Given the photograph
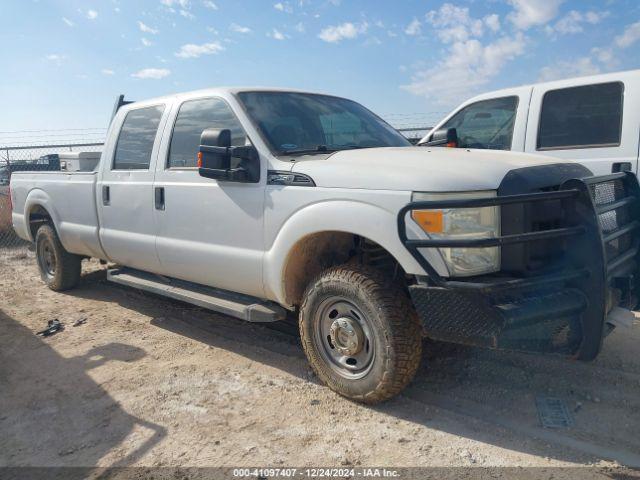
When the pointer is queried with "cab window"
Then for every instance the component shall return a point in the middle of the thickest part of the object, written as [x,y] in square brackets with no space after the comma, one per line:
[581,117]
[135,142]
[486,124]
[194,117]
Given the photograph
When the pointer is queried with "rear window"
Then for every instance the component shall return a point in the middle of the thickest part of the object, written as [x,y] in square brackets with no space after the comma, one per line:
[581,117]
[135,142]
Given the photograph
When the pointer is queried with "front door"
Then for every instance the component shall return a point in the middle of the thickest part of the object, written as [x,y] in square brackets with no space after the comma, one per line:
[125,191]
[209,231]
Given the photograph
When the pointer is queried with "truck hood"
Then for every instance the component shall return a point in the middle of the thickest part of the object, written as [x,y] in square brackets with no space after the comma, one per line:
[416,168]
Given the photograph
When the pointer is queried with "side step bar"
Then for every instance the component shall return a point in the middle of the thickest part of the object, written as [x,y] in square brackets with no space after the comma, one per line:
[235,305]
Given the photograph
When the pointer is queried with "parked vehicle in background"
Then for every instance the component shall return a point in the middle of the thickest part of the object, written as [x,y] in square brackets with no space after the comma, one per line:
[46,163]
[265,203]
[593,120]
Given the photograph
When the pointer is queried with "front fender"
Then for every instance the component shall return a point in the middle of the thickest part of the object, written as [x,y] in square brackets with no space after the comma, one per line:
[349,216]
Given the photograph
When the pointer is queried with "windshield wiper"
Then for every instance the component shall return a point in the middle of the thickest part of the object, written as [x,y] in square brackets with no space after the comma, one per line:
[322,149]
[302,151]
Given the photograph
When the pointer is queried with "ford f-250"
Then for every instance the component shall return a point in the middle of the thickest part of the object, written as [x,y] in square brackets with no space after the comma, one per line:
[260,203]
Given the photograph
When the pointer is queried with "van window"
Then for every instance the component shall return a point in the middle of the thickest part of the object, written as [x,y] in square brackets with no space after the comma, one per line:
[486,124]
[581,117]
[135,142]
[194,117]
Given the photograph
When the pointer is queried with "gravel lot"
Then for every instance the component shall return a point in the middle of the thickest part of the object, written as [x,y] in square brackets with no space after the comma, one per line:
[152,382]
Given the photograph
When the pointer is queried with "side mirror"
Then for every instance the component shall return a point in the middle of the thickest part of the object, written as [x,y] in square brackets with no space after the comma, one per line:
[215,154]
[444,137]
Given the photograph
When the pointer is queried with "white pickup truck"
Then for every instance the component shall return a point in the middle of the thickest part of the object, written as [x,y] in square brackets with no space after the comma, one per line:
[594,120]
[260,203]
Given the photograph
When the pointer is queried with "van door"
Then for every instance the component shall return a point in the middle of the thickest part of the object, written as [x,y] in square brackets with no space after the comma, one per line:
[595,124]
[125,190]
[209,232]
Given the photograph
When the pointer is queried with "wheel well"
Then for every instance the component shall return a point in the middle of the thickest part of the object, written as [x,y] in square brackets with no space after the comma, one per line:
[37,217]
[315,253]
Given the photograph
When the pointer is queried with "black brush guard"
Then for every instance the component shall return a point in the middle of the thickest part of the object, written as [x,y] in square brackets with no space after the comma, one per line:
[561,308]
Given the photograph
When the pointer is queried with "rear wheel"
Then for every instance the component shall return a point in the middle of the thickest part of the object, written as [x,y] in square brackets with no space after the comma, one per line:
[360,333]
[59,269]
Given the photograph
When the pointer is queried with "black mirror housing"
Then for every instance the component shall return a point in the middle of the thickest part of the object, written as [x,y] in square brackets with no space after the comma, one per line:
[215,154]
[444,137]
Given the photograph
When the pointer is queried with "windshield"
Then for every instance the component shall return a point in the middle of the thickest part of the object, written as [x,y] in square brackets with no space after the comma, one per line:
[306,123]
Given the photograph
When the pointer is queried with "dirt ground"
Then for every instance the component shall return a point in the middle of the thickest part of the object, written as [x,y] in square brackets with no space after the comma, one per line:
[152,382]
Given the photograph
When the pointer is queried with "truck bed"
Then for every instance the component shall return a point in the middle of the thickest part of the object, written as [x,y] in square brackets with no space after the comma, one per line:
[70,200]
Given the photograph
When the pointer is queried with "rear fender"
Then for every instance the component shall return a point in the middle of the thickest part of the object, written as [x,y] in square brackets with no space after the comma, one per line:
[40,198]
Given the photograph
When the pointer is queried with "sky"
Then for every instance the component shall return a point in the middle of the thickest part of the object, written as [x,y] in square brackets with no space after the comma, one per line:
[62,63]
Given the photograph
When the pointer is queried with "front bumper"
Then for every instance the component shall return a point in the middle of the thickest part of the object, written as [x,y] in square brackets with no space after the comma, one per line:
[561,308]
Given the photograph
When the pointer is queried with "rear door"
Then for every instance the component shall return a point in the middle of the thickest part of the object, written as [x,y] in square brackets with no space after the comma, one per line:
[594,123]
[125,190]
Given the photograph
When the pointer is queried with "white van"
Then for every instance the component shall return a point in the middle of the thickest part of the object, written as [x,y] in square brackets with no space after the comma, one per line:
[593,120]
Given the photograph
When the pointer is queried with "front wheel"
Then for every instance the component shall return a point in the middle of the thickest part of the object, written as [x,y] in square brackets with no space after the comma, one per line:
[360,333]
[59,269]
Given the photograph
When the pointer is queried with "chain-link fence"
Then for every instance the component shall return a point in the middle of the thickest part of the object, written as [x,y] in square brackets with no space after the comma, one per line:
[25,158]
[21,157]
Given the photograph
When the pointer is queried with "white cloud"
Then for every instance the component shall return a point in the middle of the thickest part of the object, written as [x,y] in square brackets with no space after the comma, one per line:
[107,71]
[152,73]
[530,13]
[337,33]
[92,14]
[56,58]
[573,22]
[68,22]
[234,27]
[414,28]
[210,4]
[177,3]
[146,28]
[145,42]
[299,27]
[191,50]
[182,7]
[493,22]
[566,69]
[630,36]
[454,24]
[468,66]
[277,34]
[283,7]
[605,56]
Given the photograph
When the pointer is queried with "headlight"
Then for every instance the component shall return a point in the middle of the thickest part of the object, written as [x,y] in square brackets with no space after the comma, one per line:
[462,223]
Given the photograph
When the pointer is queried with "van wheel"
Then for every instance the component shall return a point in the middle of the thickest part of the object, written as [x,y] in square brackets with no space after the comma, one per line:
[360,333]
[59,269]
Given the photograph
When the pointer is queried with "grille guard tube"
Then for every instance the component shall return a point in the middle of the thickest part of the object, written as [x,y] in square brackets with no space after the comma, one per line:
[517,311]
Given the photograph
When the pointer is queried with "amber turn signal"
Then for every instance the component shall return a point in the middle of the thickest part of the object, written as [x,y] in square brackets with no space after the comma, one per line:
[431,221]
[199,159]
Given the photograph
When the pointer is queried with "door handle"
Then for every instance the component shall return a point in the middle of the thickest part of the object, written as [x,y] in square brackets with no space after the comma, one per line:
[106,195]
[159,198]
[621,167]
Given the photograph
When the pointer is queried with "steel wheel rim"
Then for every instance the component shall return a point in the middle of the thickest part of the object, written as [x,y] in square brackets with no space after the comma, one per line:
[47,259]
[344,337]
